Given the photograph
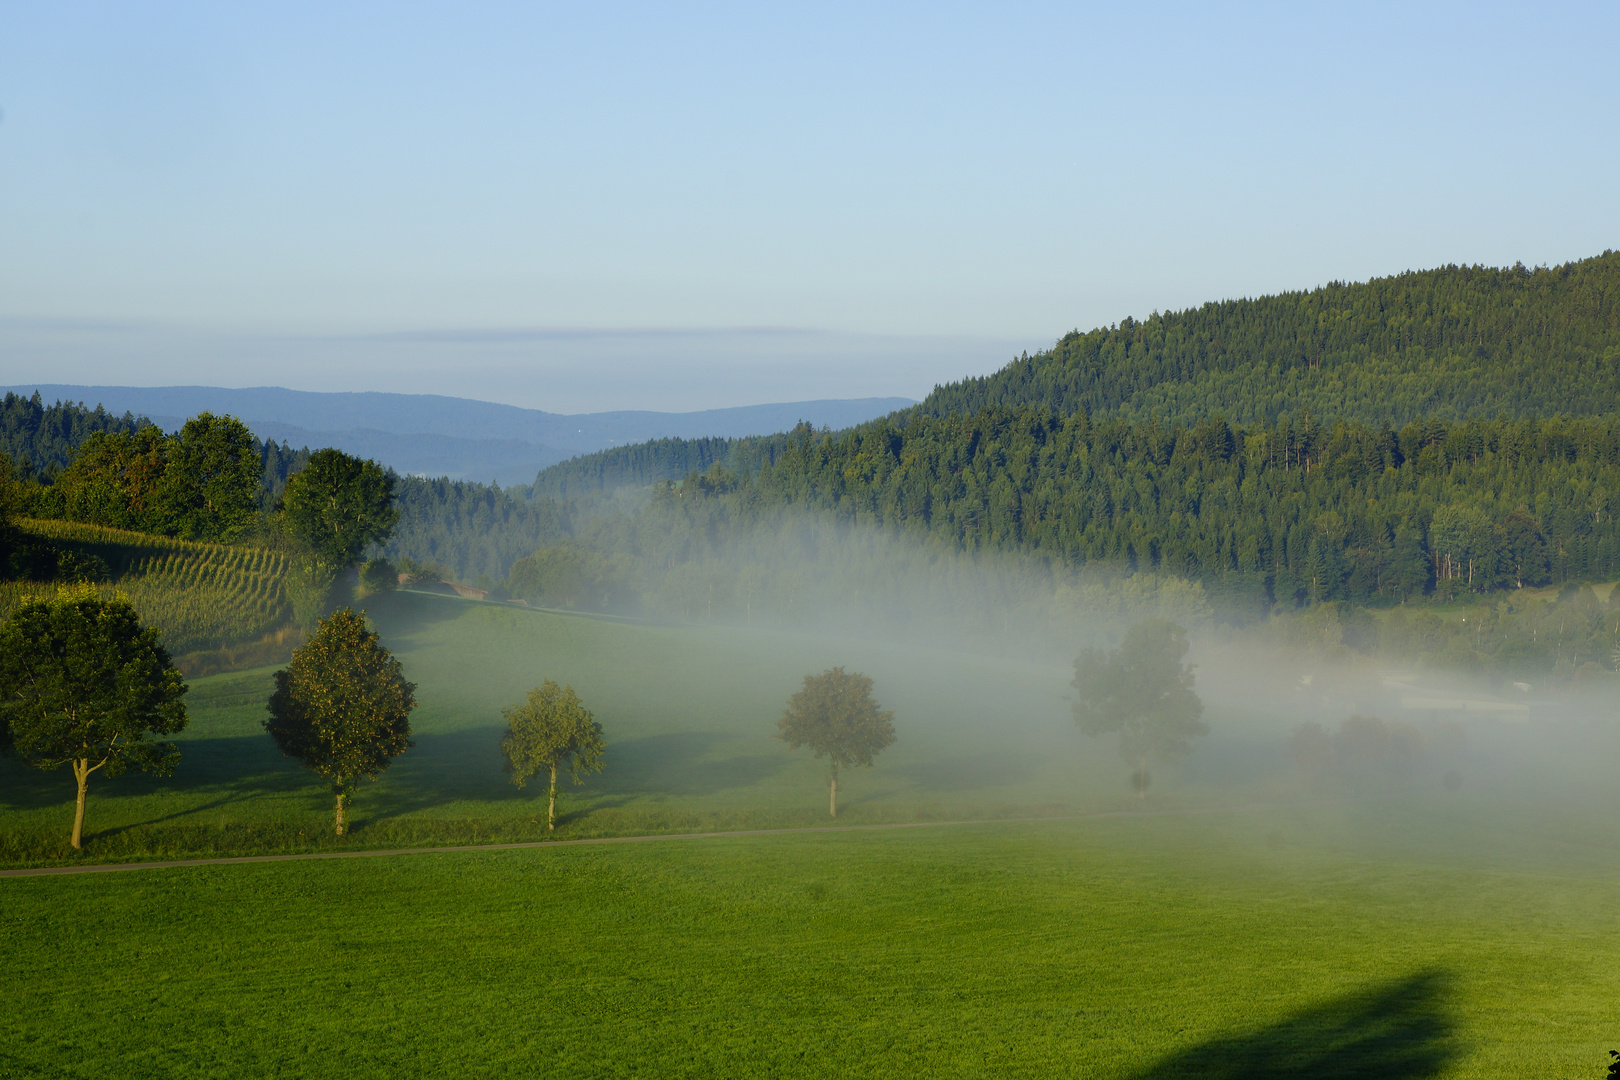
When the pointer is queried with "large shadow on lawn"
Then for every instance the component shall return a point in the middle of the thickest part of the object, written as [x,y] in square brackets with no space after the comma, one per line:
[1399,1030]
[230,768]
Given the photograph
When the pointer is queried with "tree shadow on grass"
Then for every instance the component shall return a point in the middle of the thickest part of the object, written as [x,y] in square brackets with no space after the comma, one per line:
[233,767]
[1398,1030]
[681,763]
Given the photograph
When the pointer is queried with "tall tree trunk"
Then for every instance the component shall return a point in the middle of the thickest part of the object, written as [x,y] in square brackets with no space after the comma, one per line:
[341,823]
[81,773]
[832,803]
[551,808]
[1141,791]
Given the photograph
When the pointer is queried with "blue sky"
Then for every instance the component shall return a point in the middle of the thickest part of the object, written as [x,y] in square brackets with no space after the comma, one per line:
[650,206]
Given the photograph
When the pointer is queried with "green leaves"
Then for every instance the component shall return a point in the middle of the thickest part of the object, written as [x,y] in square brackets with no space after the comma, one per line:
[834,715]
[82,681]
[339,505]
[342,705]
[552,728]
[199,484]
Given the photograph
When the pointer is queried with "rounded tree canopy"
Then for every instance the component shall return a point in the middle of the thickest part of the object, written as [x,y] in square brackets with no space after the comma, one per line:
[342,705]
[551,728]
[82,680]
[210,486]
[338,505]
[1142,691]
[834,715]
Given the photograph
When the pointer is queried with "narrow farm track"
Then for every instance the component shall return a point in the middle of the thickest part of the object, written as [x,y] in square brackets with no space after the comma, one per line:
[96,868]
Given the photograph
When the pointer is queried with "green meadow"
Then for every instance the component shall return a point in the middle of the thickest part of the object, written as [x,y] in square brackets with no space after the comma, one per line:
[1239,922]
[689,715]
[1239,945]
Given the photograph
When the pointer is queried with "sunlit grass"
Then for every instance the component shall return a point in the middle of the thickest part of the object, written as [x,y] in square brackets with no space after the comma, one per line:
[1229,946]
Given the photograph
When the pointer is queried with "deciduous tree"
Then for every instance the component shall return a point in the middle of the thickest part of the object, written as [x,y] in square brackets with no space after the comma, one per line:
[1143,692]
[339,505]
[552,729]
[83,683]
[834,715]
[342,706]
[210,488]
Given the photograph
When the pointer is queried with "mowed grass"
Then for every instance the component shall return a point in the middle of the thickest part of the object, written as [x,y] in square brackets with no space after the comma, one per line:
[689,714]
[1246,944]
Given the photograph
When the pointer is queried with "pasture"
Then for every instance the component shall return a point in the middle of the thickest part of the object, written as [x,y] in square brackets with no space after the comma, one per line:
[1250,944]
[689,713]
[1240,922]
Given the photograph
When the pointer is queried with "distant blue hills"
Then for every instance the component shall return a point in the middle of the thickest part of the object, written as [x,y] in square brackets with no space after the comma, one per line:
[434,435]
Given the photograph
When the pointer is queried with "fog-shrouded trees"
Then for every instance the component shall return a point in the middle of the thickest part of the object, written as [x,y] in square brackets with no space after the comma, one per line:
[1143,692]
[551,730]
[342,706]
[835,716]
[83,683]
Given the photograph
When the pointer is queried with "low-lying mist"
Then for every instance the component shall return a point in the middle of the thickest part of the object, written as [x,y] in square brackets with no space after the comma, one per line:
[1330,706]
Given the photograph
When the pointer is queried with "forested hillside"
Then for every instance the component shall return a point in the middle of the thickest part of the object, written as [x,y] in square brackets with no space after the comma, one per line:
[472,530]
[1291,512]
[1449,344]
[1452,343]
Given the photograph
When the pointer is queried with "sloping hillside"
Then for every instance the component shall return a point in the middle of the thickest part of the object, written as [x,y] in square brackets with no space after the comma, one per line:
[204,596]
[1452,343]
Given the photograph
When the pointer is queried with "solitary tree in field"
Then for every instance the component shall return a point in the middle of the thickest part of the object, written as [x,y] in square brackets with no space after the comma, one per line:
[342,706]
[834,715]
[83,683]
[552,729]
[1143,692]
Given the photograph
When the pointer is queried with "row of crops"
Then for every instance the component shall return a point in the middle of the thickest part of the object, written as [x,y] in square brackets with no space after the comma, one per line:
[203,596]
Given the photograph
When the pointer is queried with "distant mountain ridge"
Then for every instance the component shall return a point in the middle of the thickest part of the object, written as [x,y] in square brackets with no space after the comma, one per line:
[460,437]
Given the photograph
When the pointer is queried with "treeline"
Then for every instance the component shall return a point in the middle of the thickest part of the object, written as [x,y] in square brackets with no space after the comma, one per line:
[208,481]
[587,478]
[1292,512]
[41,439]
[1575,634]
[474,532]
[1452,343]
[213,480]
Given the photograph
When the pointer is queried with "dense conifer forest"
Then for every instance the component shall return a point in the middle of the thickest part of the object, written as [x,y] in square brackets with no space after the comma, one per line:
[1448,344]
[1286,513]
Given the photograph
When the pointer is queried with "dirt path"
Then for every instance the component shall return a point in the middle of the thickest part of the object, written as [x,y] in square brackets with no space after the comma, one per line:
[99,868]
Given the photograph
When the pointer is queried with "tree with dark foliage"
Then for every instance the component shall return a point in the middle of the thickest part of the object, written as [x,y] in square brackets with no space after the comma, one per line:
[342,707]
[83,683]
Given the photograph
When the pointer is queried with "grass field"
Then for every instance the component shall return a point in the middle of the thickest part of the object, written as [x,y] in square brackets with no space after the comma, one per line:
[1235,945]
[1241,922]
[689,713]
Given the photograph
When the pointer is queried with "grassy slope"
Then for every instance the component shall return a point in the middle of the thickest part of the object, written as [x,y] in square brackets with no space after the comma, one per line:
[689,717]
[1240,945]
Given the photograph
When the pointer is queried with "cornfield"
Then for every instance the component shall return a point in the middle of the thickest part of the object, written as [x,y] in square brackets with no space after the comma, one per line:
[202,596]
